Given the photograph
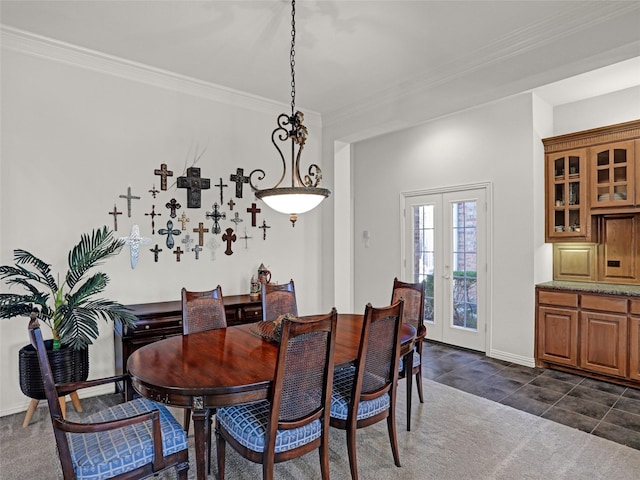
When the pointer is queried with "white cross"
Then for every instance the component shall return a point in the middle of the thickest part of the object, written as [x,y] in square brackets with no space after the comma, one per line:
[134,241]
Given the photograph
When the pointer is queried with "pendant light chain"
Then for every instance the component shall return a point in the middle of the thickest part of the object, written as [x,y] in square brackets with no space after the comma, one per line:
[292,57]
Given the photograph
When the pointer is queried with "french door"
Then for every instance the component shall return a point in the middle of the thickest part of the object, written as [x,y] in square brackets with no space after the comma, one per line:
[445,245]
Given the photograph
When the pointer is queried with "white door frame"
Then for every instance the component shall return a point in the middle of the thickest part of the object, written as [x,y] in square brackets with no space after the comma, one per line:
[488,187]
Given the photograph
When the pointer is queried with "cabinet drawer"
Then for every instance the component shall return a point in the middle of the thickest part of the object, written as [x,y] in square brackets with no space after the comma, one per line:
[634,307]
[604,304]
[558,298]
[252,314]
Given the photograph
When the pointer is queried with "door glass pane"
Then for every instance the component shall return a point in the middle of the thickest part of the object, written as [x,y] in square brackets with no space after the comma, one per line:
[424,254]
[464,262]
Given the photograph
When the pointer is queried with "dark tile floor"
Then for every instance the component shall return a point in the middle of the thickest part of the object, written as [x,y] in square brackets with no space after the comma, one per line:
[604,409]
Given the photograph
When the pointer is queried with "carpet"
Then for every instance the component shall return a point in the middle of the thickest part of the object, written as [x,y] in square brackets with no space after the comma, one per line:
[455,435]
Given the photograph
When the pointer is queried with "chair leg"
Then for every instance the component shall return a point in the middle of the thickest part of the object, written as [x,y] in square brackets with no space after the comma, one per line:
[324,457]
[419,383]
[30,411]
[220,451]
[351,449]
[408,374]
[63,405]
[391,426]
[76,401]
[187,420]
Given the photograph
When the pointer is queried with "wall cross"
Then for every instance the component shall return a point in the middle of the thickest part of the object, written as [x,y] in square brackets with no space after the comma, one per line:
[221,186]
[169,232]
[153,191]
[245,238]
[264,229]
[183,220]
[236,219]
[194,185]
[240,180]
[197,249]
[164,173]
[216,215]
[153,214]
[229,237]
[129,197]
[187,240]
[115,214]
[253,211]
[201,231]
[231,203]
[173,205]
[178,251]
[155,251]
[134,240]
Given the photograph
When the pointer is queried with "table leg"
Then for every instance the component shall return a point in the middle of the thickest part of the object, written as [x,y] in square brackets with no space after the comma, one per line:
[408,373]
[200,421]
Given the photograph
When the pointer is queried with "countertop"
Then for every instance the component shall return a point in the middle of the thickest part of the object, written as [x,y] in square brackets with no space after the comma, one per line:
[608,288]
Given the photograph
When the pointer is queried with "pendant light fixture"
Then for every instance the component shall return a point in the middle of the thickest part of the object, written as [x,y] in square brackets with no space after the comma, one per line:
[303,194]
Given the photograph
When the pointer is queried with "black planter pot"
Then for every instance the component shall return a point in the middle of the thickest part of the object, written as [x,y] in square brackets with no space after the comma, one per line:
[67,365]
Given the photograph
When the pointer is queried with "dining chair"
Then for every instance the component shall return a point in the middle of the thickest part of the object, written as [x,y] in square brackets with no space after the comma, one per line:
[278,300]
[131,440]
[413,314]
[293,420]
[365,393]
[202,311]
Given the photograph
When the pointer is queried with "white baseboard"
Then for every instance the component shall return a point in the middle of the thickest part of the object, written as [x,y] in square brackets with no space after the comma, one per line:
[510,357]
[86,393]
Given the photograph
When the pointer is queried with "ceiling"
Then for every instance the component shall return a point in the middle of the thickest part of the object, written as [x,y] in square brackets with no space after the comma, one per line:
[353,56]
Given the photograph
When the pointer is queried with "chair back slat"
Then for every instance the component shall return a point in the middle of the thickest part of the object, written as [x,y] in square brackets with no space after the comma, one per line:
[378,356]
[413,310]
[202,311]
[304,372]
[278,300]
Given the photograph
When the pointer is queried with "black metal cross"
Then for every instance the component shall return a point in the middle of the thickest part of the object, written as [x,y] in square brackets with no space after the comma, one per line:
[178,251]
[155,251]
[231,203]
[201,231]
[253,211]
[153,214]
[169,232]
[194,185]
[240,179]
[164,173]
[221,186]
[115,214]
[264,229]
[173,205]
[216,215]
[229,237]
[129,197]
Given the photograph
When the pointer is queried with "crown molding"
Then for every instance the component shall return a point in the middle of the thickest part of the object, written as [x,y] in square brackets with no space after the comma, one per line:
[43,47]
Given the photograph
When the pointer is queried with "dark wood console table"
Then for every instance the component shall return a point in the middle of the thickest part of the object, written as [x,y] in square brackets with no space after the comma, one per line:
[160,320]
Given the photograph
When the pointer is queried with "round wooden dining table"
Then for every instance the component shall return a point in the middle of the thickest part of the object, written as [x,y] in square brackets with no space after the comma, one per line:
[223,367]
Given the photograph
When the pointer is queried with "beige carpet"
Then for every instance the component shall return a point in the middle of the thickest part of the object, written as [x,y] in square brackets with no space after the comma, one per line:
[454,436]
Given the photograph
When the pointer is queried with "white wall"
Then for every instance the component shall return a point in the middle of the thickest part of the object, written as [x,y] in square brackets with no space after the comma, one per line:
[491,143]
[74,139]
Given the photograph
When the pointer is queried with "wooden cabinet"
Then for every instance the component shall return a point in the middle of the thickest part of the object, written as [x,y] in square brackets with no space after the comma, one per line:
[160,320]
[634,341]
[558,328]
[619,249]
[590,173]
[590,334]
[603,334]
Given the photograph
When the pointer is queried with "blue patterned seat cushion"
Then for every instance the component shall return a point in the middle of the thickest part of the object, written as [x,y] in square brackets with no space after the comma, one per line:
[105,454]
[341,396]
[248,425]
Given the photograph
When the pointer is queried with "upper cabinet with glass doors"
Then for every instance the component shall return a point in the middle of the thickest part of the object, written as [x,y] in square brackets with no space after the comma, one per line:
[590,173]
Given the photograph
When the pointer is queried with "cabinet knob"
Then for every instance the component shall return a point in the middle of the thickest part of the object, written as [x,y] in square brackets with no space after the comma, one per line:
[146,327]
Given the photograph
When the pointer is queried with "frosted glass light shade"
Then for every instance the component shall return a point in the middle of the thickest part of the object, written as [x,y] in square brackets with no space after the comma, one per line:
[293,200]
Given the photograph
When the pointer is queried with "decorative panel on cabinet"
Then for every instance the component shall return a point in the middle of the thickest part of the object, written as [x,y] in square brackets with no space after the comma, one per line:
[575,261]
[613,180]
[634,340]
[619,249]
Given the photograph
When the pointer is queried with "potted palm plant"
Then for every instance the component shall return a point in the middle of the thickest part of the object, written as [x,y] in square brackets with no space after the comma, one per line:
[69,308]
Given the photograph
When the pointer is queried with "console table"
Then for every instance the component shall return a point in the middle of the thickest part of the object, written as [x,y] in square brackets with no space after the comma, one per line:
[159,320]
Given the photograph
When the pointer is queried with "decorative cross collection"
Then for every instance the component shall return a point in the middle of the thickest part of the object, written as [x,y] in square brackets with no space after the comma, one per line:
[194,183]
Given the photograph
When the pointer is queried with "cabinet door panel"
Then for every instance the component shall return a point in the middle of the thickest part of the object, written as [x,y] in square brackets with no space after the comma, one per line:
[634,346]
[603,346]
[612,175]
[620,249]
[558,335]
